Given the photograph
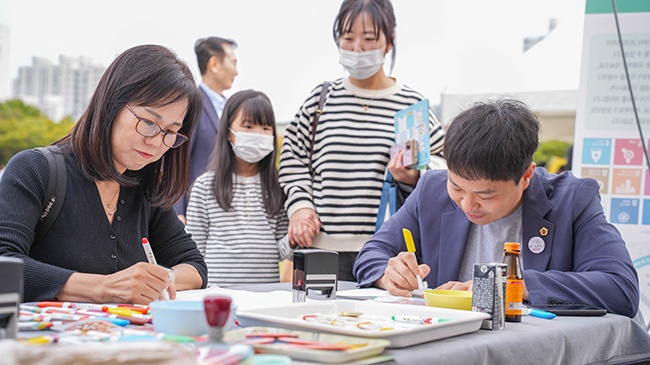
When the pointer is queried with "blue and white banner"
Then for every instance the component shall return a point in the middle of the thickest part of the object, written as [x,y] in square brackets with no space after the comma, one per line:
[608,146]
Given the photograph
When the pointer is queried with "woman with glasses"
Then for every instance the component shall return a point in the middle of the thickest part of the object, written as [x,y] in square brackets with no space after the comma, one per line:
[126,164]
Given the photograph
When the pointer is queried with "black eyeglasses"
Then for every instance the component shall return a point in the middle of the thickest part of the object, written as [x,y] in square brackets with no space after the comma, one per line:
[147,128]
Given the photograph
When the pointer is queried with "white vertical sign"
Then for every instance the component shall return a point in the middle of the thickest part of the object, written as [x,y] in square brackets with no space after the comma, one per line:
[608,146]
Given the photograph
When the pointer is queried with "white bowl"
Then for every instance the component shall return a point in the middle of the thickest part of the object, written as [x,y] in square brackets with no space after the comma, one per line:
[184,317]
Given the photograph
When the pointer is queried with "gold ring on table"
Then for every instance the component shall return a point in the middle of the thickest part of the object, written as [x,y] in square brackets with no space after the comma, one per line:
[368,326]
[351,314]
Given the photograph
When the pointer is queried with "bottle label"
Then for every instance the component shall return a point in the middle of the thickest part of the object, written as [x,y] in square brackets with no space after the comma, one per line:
[514,297]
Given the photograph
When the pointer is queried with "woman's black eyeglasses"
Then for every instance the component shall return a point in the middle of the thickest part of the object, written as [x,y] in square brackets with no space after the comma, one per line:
[147,128]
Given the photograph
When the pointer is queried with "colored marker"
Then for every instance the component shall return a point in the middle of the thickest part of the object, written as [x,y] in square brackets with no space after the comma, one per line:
[120,311]
[34,326]
[118,321]
[122,322]
[542,314]
[235,355]
[539,313]
[76,316]
[26,308]
[134,307]
[175,338]
[29,308]
[147,251]
[417,320]
[125,312]
[47,317]
[410,247]
[152,260]
[41,340]
[68,305]
[47,321]
[104,307]
[54,321]
[131,319]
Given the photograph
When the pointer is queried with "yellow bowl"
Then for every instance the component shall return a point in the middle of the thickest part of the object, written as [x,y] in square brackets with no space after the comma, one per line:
[454,299]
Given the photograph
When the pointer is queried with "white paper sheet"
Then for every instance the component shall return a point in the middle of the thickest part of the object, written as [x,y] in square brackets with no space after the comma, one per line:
[364,292]
[245,300]
[373,292]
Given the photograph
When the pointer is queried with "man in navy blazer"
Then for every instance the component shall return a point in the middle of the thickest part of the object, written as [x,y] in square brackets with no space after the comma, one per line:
[218,66]
[493,193]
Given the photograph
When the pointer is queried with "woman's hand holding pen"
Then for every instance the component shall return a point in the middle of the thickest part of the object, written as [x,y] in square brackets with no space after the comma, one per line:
[303,226]
[138,284]
[400,276]
[400,173]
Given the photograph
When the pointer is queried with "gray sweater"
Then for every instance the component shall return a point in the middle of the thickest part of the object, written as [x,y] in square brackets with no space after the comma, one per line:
[82,239]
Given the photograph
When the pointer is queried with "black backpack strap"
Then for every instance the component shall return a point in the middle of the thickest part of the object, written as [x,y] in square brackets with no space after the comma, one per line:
[56,190]
[314,124]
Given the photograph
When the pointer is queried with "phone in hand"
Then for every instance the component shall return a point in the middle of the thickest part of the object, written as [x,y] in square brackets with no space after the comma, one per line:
[572,310]
[409,152]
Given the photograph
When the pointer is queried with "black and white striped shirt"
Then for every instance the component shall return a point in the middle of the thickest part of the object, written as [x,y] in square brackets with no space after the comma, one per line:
[351,152]
[242,246]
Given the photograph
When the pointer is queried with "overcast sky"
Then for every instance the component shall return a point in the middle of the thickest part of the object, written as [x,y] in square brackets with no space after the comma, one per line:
[286,47]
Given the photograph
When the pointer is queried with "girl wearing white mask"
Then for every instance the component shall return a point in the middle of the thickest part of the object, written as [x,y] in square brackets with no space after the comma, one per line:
[236,210]
[352,141]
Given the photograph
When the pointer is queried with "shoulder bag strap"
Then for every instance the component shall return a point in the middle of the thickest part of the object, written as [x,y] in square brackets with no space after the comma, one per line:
[388,197]
[314,124]
[56,190]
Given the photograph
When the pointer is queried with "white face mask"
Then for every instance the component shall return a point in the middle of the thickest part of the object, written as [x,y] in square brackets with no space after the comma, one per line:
[362,65]
[252,147]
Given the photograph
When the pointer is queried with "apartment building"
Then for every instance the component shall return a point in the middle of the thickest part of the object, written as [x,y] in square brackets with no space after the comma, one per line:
[59,90]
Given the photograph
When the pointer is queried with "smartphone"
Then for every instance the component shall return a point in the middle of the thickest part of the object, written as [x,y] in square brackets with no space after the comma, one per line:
[409,152]
[572,310]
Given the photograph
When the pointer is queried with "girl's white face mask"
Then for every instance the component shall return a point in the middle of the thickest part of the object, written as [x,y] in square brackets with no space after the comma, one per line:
[362,65]
[252,147]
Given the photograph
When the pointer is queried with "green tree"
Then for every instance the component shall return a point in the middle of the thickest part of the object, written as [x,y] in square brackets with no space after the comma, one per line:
[548,149]
[23,126]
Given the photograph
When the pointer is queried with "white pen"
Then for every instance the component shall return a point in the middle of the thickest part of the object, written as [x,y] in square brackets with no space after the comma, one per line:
[417,320]
[152,260]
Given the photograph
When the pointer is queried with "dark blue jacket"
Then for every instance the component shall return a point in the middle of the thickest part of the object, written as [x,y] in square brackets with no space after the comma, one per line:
[584,260]
[201,146]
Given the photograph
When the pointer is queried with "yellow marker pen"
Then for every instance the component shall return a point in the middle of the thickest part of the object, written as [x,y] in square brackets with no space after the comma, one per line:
[410,247]
[41,340]
[120,311]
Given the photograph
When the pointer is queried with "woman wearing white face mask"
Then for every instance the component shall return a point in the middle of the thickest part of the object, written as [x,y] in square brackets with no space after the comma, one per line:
[352,141]
[235,213]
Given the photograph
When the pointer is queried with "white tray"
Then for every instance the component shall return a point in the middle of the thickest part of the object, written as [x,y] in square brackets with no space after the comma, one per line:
[366,347]
[402,335]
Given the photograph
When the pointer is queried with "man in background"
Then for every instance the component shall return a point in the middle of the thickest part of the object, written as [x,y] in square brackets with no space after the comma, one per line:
[218,67]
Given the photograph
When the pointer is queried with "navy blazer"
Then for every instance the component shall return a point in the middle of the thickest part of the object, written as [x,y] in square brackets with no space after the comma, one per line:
[202,144]
[584,259]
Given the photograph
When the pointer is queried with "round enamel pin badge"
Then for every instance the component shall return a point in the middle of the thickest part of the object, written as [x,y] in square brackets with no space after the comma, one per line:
[536,245]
